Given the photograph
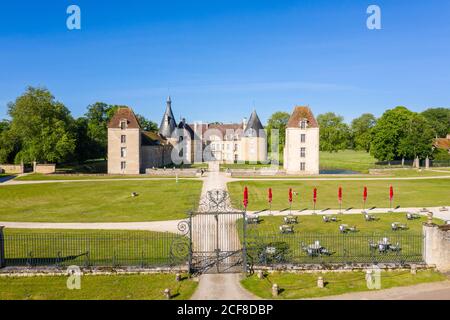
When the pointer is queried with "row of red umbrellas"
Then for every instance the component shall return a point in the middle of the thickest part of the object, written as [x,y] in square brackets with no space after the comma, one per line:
[290,194]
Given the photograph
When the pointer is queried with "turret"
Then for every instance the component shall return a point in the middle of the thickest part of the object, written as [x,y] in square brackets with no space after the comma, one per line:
[168,123]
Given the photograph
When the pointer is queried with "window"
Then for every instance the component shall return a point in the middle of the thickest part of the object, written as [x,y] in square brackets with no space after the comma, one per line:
[303,138]
[123,165]
[302,166]
[123,152]
[123,138]
[302,152]
[123,124]
[303,124]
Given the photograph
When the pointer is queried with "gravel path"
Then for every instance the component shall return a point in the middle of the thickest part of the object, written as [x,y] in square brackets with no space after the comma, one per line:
[159,226]
[437,213]
[224,286]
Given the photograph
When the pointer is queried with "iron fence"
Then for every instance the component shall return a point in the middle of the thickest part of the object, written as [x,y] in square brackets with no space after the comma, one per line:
[95,249]
[269,249]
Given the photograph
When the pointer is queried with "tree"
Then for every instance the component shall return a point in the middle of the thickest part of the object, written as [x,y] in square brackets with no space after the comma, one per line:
[401,133]
[439,118]
[42,127]
[146,125]
[277,121]
[418,138]
[4,125]
[98,116]
[334,133]
[361,130]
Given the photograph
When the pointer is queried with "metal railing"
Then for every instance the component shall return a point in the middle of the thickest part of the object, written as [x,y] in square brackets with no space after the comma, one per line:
[268,249]
[95,249]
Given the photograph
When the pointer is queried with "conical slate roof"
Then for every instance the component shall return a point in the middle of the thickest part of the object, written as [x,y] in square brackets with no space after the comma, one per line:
[254,126]
[168,123]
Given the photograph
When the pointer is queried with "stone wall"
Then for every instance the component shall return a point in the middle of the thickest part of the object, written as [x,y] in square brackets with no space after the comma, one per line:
[155,156]
[437,246]
[173,172]
[44,168]
[263,172]
[11,168]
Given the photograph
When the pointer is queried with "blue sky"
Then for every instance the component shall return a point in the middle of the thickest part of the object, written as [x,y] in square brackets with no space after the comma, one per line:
[220,59]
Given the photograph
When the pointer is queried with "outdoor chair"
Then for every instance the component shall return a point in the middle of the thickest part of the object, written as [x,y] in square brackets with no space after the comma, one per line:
[327,219]
[290,220]
[252,219]
[369,217]
[373,245]
[343,228]
[396,226]
[412,216]
[395,248]
[286,229]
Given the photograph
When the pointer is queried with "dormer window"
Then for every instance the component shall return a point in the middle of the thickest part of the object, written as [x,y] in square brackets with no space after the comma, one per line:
[303,124]
[123,124]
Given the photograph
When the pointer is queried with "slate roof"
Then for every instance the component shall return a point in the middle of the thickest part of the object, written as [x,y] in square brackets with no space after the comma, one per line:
[168,123]
[254,126]
[149,138]
[299,113]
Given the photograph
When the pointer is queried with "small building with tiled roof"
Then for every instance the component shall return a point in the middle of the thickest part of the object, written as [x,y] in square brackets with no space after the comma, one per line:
[442,143]
[131,149]
[301,151]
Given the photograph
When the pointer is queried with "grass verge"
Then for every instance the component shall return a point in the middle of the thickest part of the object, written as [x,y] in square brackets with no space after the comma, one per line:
[300,286]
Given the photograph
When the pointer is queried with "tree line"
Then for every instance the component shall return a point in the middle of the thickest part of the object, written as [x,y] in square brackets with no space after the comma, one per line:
[42,129]
[398,134]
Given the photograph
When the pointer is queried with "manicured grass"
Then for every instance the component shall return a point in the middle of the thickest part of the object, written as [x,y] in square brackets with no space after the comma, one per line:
[298,286]
[44,177]
[90,247]
[347,160]
[116,287]
[408,193]
[108,201]
[315,225]
[352,247]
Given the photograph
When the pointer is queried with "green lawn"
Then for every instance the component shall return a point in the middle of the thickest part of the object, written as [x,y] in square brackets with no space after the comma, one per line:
[345,248]
[315,225]
[117,287]
[298,286]
[408,193]
[108,201]
[43,177]
[90,247]
[347,160]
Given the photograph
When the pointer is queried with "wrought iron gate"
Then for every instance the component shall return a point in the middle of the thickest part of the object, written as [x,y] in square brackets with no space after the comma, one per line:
[217,235]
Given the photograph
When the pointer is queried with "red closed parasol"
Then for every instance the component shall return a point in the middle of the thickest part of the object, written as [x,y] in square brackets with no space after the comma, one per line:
[315,195]
[245,197]
[270,195]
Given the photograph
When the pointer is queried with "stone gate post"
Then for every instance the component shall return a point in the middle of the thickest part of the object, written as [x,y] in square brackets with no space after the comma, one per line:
[2,248]
[436,250]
